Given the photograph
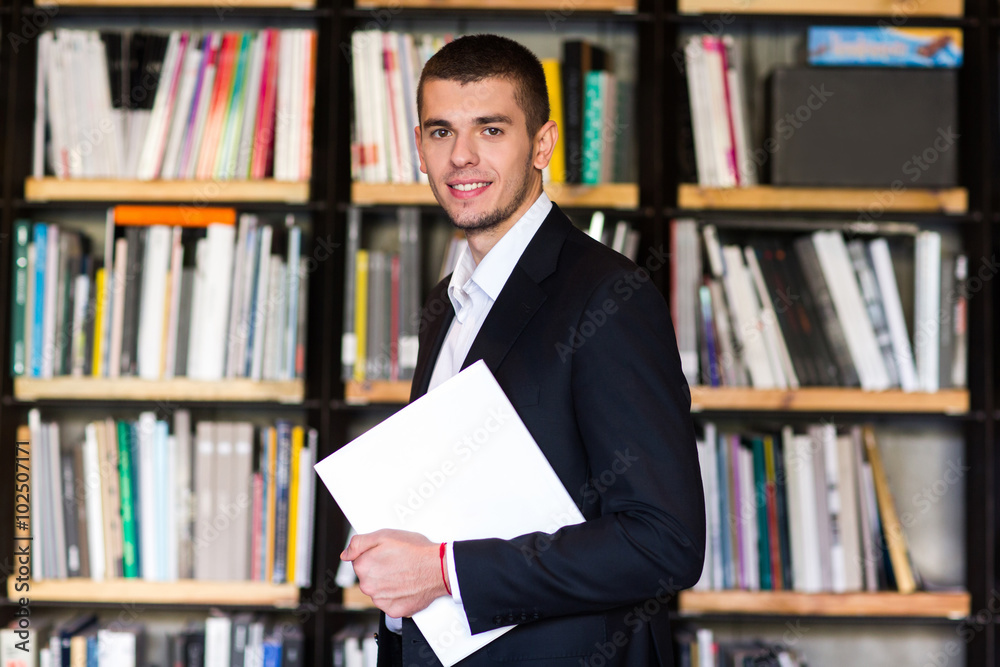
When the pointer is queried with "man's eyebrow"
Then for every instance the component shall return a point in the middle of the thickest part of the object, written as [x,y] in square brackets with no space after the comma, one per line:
[437,122]
[494,120]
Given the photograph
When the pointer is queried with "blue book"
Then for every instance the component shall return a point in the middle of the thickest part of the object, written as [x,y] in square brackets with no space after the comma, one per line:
[875,46]
[282,481]
[41,235]
[728,568]
[708,324]
[272,652]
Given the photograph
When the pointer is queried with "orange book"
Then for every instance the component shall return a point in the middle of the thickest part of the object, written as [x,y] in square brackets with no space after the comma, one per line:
[220,103]
[182,216]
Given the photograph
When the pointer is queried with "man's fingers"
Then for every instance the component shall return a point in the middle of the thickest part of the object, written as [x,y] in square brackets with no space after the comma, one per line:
[358,545]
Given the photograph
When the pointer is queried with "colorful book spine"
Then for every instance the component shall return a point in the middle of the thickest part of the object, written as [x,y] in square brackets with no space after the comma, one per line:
[593,121]
[38,317]
[298,439]
[553,81]
[281,491]
[130,551]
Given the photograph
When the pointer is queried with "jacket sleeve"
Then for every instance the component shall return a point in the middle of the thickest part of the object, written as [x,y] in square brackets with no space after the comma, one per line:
[632,406]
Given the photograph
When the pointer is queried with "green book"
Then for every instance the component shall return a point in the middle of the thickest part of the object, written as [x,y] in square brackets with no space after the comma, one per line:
[130,551]
[19,296]
[760,498]
[593,104]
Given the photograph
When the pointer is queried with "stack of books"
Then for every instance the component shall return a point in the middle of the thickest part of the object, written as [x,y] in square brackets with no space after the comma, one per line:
[220,641]
[382,303]
[818,310]
[180,105]
[800,511]
[137,499]
[237,310]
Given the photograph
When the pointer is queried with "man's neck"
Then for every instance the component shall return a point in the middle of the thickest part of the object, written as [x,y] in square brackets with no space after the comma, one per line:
[482,241]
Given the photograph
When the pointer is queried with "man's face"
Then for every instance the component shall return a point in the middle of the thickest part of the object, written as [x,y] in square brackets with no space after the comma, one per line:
[474,147]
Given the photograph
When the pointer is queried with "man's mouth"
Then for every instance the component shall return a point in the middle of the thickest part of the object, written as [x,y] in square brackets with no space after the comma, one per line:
[464,190]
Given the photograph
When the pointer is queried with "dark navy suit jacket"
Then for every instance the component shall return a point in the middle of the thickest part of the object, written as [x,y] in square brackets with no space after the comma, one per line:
[582,343]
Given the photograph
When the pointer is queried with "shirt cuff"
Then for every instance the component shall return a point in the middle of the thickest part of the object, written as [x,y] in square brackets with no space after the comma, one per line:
[449,557]
[394,624]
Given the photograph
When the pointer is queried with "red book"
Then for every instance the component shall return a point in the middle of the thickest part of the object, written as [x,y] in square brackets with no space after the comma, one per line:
[263,145]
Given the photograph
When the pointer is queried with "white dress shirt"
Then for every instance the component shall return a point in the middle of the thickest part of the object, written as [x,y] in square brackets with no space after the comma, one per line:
[473,290]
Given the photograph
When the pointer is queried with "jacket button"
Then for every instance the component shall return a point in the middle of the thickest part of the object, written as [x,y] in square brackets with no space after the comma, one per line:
[511,618]
[524,617]
[498,619]
[536,616]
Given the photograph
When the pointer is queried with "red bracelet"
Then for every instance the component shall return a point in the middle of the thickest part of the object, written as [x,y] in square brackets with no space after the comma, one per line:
[443,577]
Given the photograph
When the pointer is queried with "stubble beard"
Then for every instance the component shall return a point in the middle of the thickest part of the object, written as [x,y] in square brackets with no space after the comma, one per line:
[493,219]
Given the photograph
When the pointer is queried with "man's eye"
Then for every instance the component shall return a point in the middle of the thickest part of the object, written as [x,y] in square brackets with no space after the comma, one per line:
[439,133]
[494,131]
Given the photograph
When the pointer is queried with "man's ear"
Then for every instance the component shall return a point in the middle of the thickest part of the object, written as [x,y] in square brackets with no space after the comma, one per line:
[420,149]
[544,144]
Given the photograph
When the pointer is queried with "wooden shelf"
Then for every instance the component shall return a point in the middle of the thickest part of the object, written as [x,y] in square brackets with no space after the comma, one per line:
[211,4]
[609,195]
[377,391]
[904,8]
[953,201]
[953,605]
[185,592]
[192,192]
[621,6]
[355,599]
[137,389]
[828,399]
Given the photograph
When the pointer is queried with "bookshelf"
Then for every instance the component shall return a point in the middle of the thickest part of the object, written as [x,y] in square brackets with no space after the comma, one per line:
[184,592]
[246,192]
[659,193]
[950,605]
[181,389]
[954,201]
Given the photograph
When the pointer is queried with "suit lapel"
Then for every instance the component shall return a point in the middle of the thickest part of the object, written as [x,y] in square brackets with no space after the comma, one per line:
[522,295]
[435,320]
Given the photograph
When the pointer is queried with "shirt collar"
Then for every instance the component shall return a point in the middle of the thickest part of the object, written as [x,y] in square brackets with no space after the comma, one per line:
[495,268]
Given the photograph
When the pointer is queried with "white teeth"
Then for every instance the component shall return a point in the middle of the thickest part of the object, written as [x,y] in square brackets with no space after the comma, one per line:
[465,187]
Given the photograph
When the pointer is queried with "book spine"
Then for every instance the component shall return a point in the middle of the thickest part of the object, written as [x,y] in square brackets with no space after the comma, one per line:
[19,296]
[126,475]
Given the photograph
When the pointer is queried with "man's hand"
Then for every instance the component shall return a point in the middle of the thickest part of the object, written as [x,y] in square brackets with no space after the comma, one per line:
[400,571]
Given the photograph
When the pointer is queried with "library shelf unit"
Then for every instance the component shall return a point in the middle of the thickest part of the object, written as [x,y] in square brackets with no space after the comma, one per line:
[303,401]
[184,192]
[327,402]
[945,605]
[138,591]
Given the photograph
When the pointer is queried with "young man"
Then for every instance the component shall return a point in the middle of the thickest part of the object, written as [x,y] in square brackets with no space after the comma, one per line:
[582,344]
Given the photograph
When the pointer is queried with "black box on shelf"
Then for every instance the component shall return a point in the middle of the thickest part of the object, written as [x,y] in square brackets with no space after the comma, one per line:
[863,127]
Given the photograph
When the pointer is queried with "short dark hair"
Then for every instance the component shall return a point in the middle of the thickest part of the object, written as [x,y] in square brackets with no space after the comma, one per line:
[474,58]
